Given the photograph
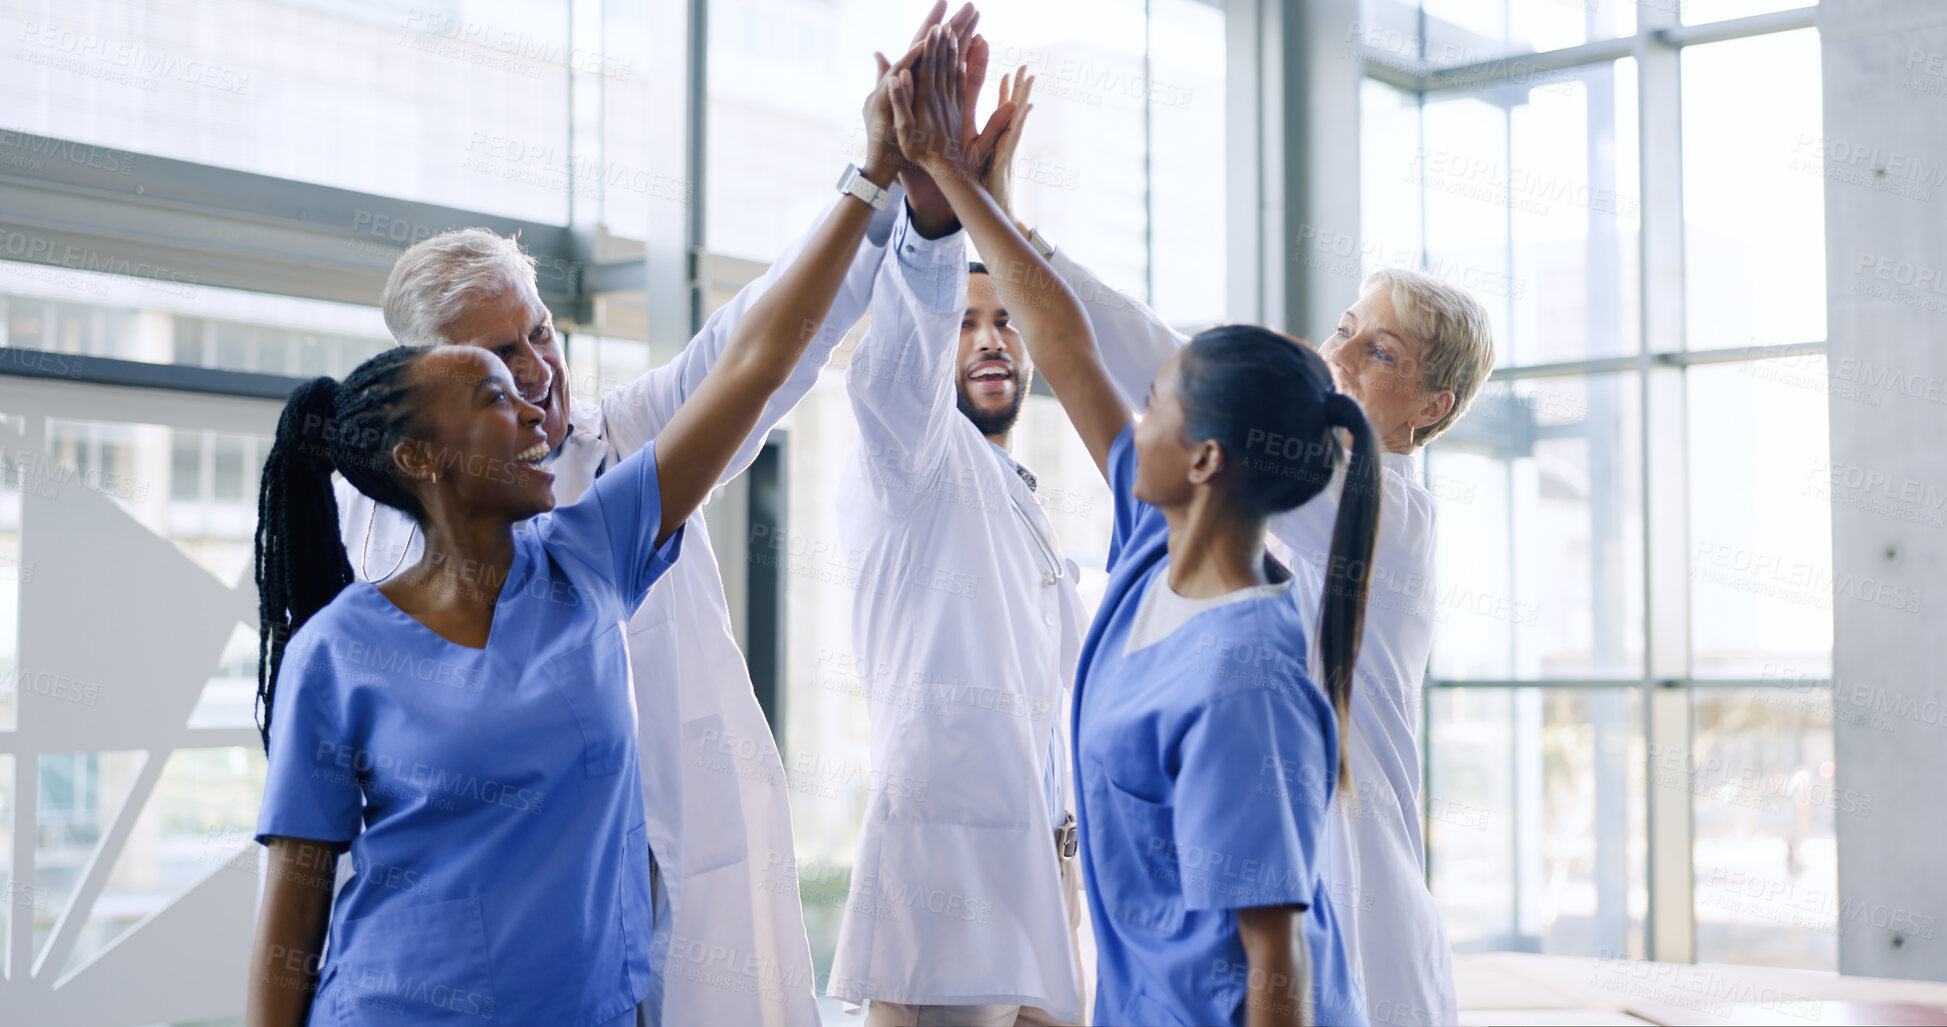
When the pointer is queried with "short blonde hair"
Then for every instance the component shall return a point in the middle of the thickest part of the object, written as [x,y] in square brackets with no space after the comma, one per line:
[433,283]
[1456,337]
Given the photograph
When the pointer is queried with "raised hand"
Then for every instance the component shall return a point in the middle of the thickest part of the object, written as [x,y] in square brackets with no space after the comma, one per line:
[932,214]
[999,159]
[928,115]
[882,159]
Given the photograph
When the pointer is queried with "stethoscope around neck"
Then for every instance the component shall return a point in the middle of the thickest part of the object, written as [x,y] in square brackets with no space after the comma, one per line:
[1059,568]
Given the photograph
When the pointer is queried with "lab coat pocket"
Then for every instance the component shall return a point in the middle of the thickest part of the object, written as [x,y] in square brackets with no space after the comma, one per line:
[714,761]
[1133,847]
[417,965]
[593,680]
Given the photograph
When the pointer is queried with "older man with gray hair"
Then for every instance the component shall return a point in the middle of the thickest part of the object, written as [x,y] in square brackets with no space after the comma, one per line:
[729,941]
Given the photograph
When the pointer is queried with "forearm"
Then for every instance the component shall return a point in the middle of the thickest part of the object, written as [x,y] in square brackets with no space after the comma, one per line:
[291,926]
[1042,306]
[768,340]
[1049,317]
[703,436]
[1278,984]
[1134,340]
[637,412]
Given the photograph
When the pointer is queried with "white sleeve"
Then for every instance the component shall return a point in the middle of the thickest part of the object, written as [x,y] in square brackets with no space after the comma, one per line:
[1135,342]
[635,413]
[901,379]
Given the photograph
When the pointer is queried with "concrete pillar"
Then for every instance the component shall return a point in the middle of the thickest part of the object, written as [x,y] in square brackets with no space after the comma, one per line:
[1885,74]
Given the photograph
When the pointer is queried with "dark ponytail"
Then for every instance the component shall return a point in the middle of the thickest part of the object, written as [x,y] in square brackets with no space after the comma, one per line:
[301,563]
[1348,568]
[1268,400]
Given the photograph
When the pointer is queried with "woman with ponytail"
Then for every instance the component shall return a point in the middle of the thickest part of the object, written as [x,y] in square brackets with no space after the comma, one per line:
[1206,758]
[467,727]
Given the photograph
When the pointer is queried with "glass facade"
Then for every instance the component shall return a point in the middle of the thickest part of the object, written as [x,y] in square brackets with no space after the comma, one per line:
[1527,191]
[1543,766]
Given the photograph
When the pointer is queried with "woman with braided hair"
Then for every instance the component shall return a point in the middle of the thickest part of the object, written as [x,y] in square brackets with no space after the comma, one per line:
[467,727]
[1205,756]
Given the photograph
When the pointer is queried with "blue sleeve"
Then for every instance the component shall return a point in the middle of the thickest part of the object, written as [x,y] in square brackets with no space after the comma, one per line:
[1252,786]
[1135,521]
[611,530]
[311,788]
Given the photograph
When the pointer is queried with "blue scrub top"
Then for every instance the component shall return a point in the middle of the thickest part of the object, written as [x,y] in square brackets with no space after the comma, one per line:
[502,865]
[1204,765]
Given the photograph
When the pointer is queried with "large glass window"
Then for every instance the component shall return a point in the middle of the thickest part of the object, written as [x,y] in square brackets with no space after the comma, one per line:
[1527,190]
[312,90]
[1535,822]
[1126,109]
[1532,204]
[1754,169]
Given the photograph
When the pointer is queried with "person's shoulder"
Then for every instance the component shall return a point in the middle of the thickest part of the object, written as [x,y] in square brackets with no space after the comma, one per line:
[314,646]
[588,421]
[1257,646]
[1409,510]
[350,609]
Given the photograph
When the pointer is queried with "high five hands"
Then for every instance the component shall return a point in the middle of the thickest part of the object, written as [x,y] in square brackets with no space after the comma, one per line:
[986,155]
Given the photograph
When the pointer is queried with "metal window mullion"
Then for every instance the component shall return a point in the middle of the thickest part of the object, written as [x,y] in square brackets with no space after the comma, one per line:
[1670,930]
[1421,75]
[1739,28]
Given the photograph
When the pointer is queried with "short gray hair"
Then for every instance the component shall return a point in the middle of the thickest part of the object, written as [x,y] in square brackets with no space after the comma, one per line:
[434,282]
[1454,330]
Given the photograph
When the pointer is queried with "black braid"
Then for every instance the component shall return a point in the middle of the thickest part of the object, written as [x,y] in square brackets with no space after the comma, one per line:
[301,562]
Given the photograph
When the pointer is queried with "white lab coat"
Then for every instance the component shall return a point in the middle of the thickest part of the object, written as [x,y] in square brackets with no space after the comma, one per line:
[967,626]
[730,944]
[1374,858]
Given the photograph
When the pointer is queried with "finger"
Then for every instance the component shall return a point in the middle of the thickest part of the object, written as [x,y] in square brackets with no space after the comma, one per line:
[1007,83]
[976,74]
[932,18]
[963,19]
[884,65]
[912,56]
[935,62]
[997,123]
[950,70]
[900,93]
[1013,137]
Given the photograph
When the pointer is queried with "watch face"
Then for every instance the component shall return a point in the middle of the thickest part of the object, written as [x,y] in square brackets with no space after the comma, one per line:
[845,177]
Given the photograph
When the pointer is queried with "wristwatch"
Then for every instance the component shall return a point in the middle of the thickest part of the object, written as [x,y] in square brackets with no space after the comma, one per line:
[854,182]
[1041,245]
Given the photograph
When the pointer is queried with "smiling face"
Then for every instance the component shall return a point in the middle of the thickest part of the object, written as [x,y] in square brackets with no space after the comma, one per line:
[479,444]
[994,365]
[1381,365]
[517,328]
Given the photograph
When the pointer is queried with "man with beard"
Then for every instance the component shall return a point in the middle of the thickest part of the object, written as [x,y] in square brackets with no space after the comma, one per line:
[967,625]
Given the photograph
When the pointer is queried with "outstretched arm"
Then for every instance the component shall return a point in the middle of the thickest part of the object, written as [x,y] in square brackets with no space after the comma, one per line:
[1135,341]
[927,115]
[635,413]
[700,439]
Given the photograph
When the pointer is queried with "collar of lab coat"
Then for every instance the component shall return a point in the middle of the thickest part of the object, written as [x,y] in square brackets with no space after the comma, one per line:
[582,455]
